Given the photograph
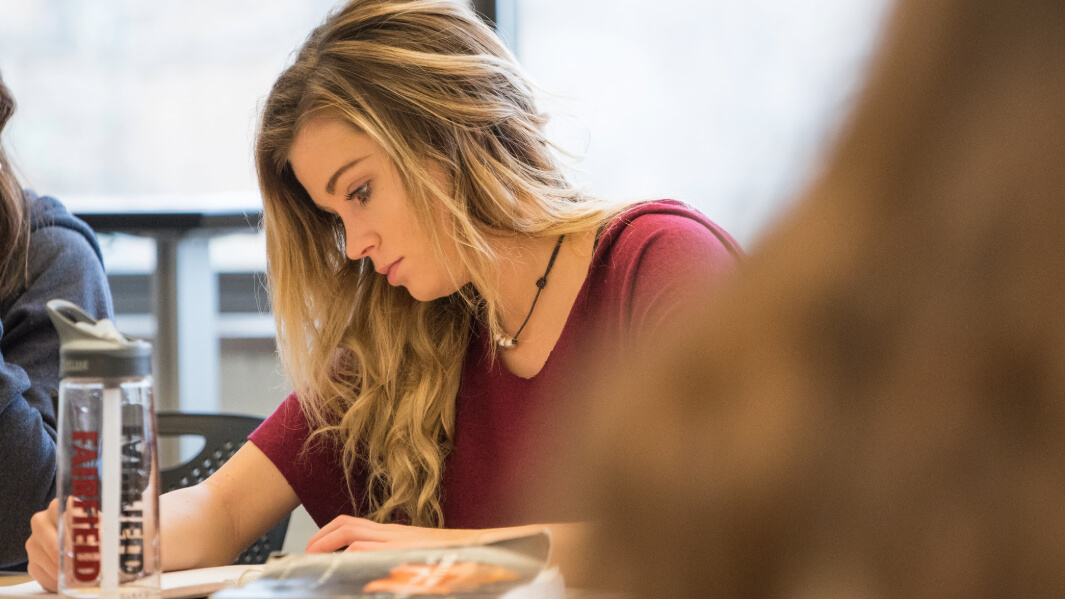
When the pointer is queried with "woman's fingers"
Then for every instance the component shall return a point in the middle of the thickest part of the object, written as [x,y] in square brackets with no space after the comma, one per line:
[44,528]
[42,555]
[351,529]
[42,548]
[337,539]
[52,512]
[336,524]
[366,546]
[360,534]
[43,577]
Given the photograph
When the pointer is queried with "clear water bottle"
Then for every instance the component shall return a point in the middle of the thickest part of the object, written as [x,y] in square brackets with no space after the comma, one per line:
[108,467]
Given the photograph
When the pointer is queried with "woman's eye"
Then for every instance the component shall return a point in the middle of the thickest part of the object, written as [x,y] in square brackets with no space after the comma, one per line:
[362,193]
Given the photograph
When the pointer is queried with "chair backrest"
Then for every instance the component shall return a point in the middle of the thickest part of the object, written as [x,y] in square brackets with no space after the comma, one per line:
[223,435]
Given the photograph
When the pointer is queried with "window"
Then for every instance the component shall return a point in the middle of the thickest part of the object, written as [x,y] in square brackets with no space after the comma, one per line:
[144,100]
[724,105]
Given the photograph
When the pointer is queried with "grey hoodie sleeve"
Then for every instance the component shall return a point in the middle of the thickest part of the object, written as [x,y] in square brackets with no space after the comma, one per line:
[63,263]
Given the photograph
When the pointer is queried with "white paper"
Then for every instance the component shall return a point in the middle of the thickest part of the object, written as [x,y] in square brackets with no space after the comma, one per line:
[176,585]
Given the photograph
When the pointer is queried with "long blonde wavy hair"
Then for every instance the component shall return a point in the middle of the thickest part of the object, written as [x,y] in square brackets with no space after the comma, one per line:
[14,213]
[376,371]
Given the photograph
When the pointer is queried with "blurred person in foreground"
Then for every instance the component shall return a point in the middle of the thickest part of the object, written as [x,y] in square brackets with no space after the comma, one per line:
[876,408]
[45,253]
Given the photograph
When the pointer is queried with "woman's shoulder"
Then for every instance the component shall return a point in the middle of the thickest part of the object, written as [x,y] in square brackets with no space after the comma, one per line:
[54,227]
[668,225]
[63,260]
[655,260]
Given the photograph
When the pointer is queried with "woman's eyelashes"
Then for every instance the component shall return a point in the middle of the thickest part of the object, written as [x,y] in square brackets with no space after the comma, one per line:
[361,193]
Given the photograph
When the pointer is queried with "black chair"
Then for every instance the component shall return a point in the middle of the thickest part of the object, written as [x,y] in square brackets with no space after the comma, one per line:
[223,435]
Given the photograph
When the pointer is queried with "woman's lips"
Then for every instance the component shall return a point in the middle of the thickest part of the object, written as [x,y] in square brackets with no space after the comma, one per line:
[391,271]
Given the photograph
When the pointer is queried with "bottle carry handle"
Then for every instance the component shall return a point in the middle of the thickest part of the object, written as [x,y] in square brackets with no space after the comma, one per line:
[65,317]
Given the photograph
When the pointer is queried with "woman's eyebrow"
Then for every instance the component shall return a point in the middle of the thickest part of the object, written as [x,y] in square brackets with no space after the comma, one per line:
[330,187]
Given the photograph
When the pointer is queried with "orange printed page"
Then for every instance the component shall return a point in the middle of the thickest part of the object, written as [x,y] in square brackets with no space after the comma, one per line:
[439,579]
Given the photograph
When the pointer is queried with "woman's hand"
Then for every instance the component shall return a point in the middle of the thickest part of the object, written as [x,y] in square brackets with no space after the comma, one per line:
[360,534]
[42,548]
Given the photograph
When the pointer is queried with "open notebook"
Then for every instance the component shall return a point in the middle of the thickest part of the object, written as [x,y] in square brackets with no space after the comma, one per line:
[176,585]
[509,568]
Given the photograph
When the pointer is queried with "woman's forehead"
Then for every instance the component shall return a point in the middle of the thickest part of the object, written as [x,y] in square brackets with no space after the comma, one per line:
[331,128]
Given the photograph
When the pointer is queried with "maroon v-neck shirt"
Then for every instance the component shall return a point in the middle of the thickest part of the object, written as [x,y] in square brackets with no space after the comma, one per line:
[653,260]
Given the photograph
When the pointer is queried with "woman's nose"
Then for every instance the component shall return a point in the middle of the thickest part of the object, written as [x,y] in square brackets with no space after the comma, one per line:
[358,242]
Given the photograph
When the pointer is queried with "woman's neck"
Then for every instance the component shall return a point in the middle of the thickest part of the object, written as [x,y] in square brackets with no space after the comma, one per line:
[524,260]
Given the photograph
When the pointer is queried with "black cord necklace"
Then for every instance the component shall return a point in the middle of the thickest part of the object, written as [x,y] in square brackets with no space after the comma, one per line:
[509,342]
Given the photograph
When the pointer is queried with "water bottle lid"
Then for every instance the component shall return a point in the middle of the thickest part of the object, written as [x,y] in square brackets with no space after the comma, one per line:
[94,348]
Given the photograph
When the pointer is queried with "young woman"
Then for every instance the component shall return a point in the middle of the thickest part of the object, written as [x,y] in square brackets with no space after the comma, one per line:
[45,253]
[437,286]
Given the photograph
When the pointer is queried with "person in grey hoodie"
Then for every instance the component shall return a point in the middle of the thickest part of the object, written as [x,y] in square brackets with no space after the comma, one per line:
[45,253]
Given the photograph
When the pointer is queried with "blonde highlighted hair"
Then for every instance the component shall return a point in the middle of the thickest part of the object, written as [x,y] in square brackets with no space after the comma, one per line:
[14,214]
[376,371]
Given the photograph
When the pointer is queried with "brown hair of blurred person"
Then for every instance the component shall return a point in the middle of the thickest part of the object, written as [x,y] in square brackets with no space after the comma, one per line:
[14,213]
[877,407]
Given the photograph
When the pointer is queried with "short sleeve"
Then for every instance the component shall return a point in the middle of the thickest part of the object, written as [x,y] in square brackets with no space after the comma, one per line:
[670,264]
[313,470]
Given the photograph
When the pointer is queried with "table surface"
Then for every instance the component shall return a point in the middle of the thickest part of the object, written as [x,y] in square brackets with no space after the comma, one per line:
[10,578]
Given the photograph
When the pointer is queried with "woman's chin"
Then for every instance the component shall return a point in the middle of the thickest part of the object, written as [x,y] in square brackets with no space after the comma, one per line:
[423,294]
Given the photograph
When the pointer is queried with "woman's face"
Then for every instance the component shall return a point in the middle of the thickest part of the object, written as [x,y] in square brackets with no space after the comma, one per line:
[349,175]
